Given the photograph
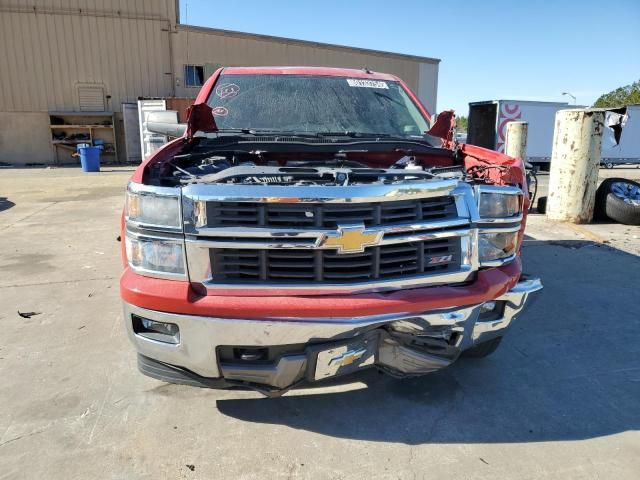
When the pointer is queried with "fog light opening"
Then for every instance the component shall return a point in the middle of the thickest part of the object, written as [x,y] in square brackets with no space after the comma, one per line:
[491,310]
[158,331]
[487,307]
[251,354]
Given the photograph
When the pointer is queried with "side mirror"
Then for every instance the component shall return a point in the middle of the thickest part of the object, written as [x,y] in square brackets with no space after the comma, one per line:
[165,122]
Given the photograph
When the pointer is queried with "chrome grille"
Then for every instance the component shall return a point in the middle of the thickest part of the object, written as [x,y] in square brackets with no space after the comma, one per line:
[295,240]
[327,215]
[385,262]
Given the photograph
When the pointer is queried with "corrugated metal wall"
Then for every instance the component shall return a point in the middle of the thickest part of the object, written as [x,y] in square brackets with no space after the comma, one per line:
[48,47]
[195,45]
[133,48]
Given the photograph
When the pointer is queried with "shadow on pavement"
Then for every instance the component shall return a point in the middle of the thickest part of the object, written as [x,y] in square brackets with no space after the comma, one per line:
[567,371]
[5,204]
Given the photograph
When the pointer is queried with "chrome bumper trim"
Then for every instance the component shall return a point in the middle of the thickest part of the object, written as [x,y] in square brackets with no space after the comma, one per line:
[264,235]
[515,299]
[414,233]
[200,336]
[320,194]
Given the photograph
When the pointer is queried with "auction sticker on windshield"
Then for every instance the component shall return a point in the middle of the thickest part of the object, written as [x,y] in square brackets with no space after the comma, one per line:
[356,82]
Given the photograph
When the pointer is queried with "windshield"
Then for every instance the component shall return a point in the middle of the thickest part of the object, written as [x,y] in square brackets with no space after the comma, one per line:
[299,103]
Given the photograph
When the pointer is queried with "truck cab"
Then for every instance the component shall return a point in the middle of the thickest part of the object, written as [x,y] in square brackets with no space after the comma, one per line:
[310,223]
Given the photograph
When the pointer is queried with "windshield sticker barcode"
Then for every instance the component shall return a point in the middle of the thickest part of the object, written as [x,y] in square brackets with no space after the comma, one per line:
[356,82]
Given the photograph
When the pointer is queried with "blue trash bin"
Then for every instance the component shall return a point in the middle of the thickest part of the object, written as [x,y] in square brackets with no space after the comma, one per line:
[89,157]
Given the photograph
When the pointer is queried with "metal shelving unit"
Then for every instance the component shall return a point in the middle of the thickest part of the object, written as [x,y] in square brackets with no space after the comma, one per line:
[94,125]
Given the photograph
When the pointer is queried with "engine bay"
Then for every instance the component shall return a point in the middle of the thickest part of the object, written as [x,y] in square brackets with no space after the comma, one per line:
[300,173]
[284,164]
[292,161]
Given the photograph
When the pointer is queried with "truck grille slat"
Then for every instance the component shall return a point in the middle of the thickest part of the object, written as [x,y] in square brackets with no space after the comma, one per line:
[290,275]
[290,254]
[346,264]
[405,270]
[233,265]
[405,258]
[347,276]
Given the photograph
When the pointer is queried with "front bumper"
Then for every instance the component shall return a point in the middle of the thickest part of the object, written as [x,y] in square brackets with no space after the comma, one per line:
[308,349]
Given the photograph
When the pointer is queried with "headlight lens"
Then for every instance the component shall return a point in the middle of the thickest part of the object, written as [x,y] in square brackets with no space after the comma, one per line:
[162,256]
[499,205]
[153,210]
[494,247]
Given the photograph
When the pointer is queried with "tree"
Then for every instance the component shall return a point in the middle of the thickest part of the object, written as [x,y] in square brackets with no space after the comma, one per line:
[461,123]
[620,97]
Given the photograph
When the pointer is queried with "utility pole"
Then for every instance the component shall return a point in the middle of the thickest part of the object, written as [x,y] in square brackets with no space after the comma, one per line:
[570,95]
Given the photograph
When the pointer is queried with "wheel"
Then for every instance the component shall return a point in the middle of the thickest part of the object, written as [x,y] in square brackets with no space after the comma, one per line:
[542,205]
[609,165]
[483,349]
[619,200]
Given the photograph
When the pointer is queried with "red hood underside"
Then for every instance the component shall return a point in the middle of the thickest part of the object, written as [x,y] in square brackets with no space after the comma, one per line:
[200,119]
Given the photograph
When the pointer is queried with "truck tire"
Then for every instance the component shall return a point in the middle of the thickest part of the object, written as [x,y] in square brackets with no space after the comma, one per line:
[619,200]
[483,349]
[542,205]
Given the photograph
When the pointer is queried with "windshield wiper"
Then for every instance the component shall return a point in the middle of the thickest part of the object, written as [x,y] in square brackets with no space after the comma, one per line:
[385,136]
[259,131]
[364,136]
[349,133]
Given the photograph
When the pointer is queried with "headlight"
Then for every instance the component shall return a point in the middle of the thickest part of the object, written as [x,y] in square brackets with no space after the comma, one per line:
[494,248]
[157,208]
[497,204]
[162,256]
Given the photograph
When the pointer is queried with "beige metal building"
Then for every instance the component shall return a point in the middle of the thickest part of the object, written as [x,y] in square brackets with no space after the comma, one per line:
[76,61]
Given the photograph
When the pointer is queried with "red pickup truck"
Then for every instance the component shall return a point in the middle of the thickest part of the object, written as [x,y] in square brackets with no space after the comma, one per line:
[309,223]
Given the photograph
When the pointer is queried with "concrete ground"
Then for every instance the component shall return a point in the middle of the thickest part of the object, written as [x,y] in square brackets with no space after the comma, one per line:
[623,237]
[559,399]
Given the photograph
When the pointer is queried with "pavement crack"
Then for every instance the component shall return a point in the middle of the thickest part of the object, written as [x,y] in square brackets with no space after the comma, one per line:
[20,437]
[57,282]
[29,216]
[100,411]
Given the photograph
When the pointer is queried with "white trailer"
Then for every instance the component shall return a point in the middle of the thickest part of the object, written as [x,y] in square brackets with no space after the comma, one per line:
[488,122]
[621,136]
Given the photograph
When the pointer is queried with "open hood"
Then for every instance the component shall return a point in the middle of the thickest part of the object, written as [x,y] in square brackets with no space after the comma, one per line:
[200,119]
[444,126]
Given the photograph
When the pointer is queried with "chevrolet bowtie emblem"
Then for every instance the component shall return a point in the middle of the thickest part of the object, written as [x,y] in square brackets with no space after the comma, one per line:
[351,239]
[347,358]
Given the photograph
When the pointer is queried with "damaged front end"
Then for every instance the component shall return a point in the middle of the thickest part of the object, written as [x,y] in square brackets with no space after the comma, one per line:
[311,350]
[270,257]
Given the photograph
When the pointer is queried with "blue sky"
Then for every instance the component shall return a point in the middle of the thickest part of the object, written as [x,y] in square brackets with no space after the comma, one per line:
[531,50]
